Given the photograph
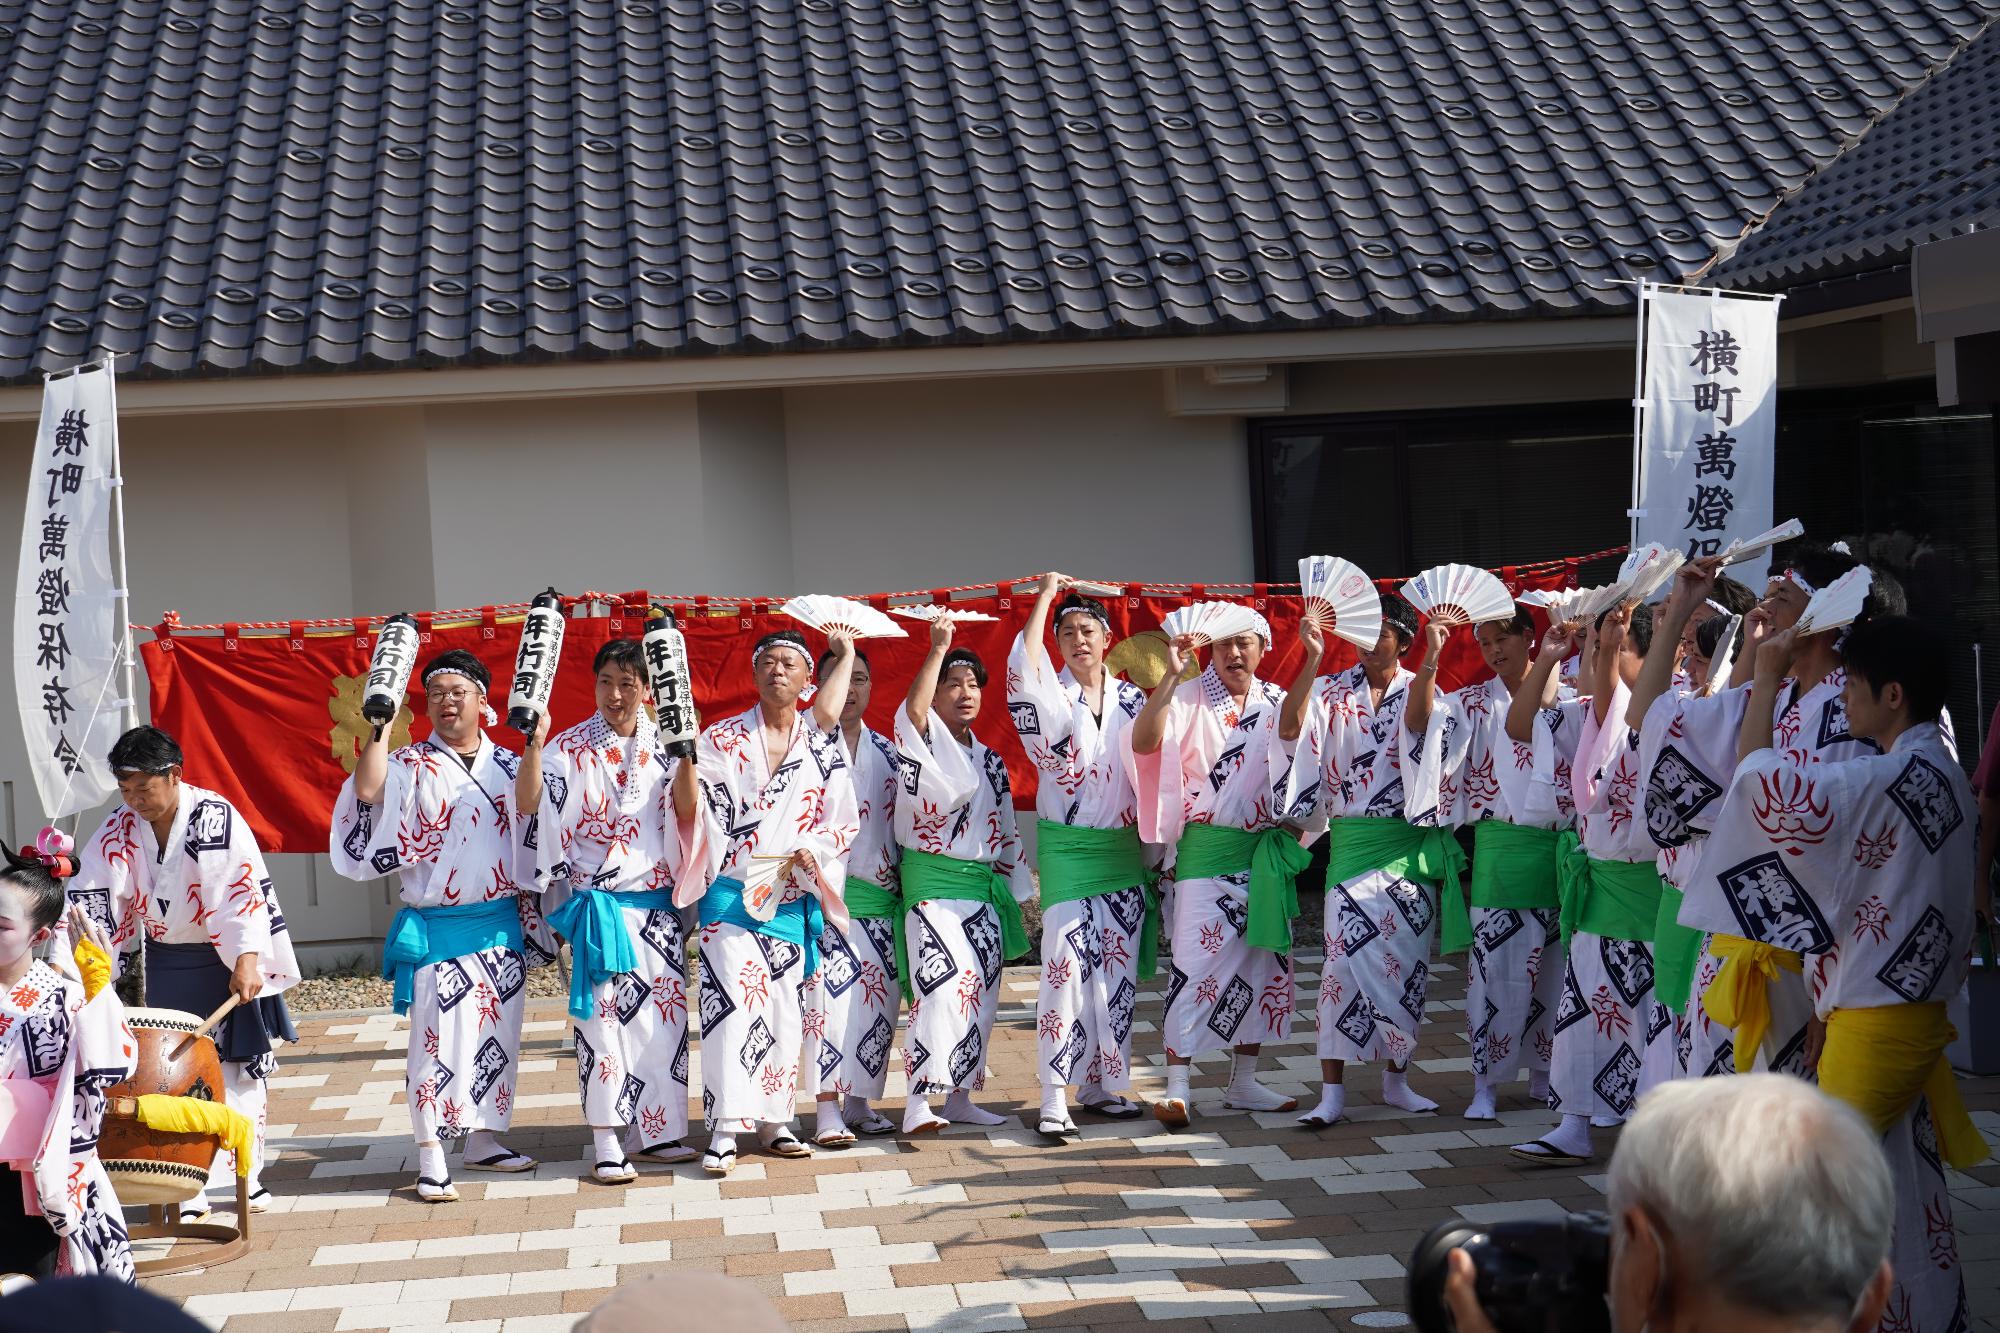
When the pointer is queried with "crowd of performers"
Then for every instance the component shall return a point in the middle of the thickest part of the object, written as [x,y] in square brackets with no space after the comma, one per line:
[1669,877]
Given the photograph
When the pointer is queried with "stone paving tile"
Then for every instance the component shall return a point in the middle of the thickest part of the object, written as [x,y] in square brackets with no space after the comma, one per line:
[1240,1222]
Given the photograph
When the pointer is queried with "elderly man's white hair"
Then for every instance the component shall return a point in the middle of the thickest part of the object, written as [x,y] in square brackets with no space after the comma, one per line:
[1777,1194]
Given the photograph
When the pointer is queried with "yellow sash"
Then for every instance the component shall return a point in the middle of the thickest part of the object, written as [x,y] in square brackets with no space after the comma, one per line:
[1879,1061]
[1740,996]
[187,1115]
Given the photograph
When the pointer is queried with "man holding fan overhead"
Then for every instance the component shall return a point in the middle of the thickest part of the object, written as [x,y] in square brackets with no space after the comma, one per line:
[964,880]
[1216,784]
[439,815]
[1383,872]
[1100,912]
[780,788]
[1462,761]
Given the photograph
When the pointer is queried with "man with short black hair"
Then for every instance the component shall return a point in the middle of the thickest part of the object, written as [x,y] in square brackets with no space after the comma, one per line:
[1883,886]
[177,869]
[618,827]
[439,815]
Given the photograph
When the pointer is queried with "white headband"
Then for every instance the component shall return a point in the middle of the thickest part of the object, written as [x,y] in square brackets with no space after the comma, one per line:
[1719,608]
[757,655]
[1802,585]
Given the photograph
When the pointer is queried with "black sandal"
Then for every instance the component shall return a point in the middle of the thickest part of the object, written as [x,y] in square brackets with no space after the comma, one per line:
[446,1192]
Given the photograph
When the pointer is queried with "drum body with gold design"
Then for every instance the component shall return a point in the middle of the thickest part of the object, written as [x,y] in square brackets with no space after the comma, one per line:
[146,1165]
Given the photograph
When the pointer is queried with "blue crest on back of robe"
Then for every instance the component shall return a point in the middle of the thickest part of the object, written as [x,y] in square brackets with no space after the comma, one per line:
[1913,970]
[1064,1061]
[487,1065]
[1572,1008]
[1027,721]
[453,983]
[355,844]
[1123,1001]
[829,1057]
[881,935]
[506,969]
[1927,800]
[839,968]
[1228,1013]
[715,1002]
[1083,943]
[782,955]
[1629,963]
[1617,1084]
[1413,900]
[1771,905]
[1128,909]
[873,1052]
[679,1071]
[931,965]
[629,995]
[757,1043]
[1357,1021]
[1412,998]
[982,932]
[662,934]
[626,1108]
[966,1057]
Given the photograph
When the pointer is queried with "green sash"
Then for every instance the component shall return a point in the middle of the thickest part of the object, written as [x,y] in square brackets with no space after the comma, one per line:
[928,877]
[1513,867]
[1361,843]
[867,899]
[1274,859]
[1089,862]
[1617,900]
[1676,951]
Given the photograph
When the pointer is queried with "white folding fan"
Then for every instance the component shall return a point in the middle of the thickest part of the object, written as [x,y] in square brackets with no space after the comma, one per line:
[1089,589]
[1648,569]
[762,886]
[1464,594]
[1562,606]
[1835,605]
[855,619]
[1738,551]
[1724,657]
[1205,622]
[1339,597]
[950,613]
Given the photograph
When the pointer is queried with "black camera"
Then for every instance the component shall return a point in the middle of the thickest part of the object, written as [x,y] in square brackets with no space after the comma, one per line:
[1536,1276]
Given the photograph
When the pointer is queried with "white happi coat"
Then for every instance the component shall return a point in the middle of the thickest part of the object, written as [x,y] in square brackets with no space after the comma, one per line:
[755,992]
[956,801]
[1216,765]
[209,887]
[1608,1014]
[1469,769]
[1887,883]
[607,823]
[1090,948]
[851,1030]
[72,1051]
[447,833]
[1379,927]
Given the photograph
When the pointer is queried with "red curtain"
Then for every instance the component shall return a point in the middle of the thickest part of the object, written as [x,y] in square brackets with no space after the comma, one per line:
[273,721]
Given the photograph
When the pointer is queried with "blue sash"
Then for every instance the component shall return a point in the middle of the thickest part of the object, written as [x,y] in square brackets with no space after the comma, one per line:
[600,946]
[797,922]
[420,936]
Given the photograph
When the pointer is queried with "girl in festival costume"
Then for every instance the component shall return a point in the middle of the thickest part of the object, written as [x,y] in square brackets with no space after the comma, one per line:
[1217,784]
[852,1031]
[61,1045]
[1463,762]
[780,788]
[440,816]
[964,880]
[619,827]
[1100,914]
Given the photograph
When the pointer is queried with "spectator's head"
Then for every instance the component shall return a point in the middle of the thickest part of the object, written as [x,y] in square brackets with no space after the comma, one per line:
[1896,677]
[1754,1199]
[147,764]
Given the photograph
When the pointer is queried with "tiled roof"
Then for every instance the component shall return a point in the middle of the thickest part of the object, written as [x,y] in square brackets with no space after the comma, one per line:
[316,184]
[1931,168]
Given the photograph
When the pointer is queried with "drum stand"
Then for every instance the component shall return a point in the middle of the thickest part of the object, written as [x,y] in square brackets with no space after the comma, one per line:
[223,1243]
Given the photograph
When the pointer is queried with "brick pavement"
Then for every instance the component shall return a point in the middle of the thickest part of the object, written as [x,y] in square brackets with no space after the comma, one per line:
[1241,1218]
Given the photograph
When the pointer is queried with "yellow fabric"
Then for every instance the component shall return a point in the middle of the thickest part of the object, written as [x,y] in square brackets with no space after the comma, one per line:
[1740,995]
[1879,1061]
[94,966]
[189,1115]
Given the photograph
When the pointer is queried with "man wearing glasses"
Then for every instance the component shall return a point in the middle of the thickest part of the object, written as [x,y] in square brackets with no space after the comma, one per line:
[439,815]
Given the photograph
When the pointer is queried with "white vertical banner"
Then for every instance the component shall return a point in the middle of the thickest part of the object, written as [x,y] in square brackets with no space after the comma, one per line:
[68,641]
[1706,417]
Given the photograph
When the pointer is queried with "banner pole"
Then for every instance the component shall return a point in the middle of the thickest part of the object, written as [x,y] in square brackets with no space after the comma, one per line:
[125,647]
[1634,513]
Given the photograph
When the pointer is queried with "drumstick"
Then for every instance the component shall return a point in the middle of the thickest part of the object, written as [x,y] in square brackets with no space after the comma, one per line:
[208,1025]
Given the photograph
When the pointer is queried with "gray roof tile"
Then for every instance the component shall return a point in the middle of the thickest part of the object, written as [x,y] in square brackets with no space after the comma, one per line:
[257,185]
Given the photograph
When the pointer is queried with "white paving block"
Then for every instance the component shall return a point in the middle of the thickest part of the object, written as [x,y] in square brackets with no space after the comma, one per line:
[560,1279]
[411,1315]
[1446,1138]
[1376,1182]
[374,1252]
[827,1281]
[1313,1296]
[1512,1211]
[1096,1238]
[882,1256]
[900,1300]
[1196,1304]
[1397,1161]
[1348,1269]
[831,1238]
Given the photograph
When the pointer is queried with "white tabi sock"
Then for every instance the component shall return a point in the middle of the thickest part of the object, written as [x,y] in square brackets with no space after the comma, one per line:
[1177,1082]
[1055,1103]
[605,1142]
[1242,1070]
[959,1109]
[917,1113]
[1396,1091]
[1538,1085]
[1571,1136]
[1332,1105]
[1484,1097]
[854,1110]
[827,1118]
[430,1162]
[723,1141]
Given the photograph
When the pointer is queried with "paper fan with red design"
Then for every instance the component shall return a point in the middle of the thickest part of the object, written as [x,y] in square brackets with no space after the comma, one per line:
[1738,551]
[952,613]
[1839,603]
[1461,594]
[844,615]
[1339,597]
[1648,569]
[1205,622]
